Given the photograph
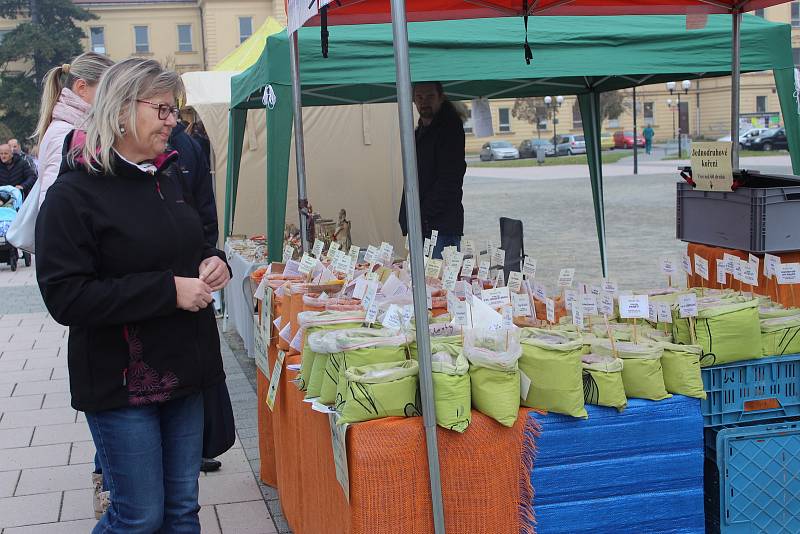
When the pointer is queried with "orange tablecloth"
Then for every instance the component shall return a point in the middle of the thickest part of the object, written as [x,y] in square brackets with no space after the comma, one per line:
[788,294]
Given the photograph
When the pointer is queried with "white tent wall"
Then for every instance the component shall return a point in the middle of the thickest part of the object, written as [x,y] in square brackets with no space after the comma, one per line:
[360,173]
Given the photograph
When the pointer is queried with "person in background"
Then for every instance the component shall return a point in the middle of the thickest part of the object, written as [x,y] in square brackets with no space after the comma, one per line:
[122,260]
[648,134]
[199,134]
[16,148]
[66,100]
[15,171]
[195,177]
[441,167]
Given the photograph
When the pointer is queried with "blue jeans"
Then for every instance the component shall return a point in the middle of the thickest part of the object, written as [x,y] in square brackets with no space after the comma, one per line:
[150,457]
[445,240]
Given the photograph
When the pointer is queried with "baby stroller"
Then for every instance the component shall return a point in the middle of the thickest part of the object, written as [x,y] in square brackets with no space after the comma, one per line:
[10,203]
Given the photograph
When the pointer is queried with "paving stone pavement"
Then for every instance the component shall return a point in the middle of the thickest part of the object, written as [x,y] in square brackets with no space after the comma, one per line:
[46,452]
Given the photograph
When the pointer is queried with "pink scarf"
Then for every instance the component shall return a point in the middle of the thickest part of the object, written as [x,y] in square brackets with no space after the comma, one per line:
[71,108]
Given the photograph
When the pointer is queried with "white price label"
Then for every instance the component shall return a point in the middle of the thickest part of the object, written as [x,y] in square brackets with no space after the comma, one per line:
[333,248]
[566,277]
[521,304]
[496,297]
[722,270]
[730,262]
[687,265]
[570,297]
[372,254]
[652,312]
[500,279]
[483,271]
[771,265]
[468,267]
[317,249]
[499,258]
[539,292]
[550,307]
[634,306]
[750,274]
[701,267]
[307,264]
[353,253]
[577,317]
[668,266]
[288,253]
[529,268]
[434,237]
[274,379]
[369,294]
[515,281]
[755,261]
[789,273]
[386,252]
[468,248]
[606,304]
[433,268]
[427,249]
[664,313]
[609,286]
[589,305]
[687,305]
[450,277]
[508,317]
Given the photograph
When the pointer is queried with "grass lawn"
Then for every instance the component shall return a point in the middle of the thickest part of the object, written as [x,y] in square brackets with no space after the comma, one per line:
[608,157]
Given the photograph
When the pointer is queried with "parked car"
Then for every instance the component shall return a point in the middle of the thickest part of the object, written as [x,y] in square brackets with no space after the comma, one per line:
[498,150]
[571,144]
[528,148]
[744,135]
[771,139]
[606,141]
[625,140]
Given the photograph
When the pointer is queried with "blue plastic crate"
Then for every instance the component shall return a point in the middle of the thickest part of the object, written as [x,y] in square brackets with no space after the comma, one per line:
[755,487]
[751,390]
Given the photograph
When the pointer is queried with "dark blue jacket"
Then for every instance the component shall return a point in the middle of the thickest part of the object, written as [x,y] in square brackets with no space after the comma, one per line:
[196,178]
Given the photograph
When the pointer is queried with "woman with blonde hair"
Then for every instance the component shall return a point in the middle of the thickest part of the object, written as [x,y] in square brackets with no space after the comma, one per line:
[67,97]
[122,261]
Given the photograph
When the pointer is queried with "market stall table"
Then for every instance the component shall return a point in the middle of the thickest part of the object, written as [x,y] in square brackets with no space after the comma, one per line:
[239,297]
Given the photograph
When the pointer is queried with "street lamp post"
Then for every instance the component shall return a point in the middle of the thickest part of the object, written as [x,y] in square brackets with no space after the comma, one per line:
[548,102]
[672,112]
[685,85]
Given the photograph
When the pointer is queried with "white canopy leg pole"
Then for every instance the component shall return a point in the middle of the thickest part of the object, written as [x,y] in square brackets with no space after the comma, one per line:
[299,143]
[736,69]
[411,186]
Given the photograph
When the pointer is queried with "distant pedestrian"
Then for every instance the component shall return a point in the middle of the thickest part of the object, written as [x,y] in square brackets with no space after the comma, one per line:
[15,171]
[16,148]
[122,261]
[648,139]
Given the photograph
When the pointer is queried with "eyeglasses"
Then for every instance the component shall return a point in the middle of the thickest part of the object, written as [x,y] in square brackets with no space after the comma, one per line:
[164,110]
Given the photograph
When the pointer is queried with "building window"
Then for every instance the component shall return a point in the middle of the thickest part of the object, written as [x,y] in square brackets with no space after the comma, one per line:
[142,39]
[468,122]
[761,104]
[97,38]
[759,13]
[245,28]
[185,38]
[795,14]
[505,119]
[648,113]
[577,121]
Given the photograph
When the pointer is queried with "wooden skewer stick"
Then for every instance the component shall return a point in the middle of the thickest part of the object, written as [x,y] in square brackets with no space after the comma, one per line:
[611,337]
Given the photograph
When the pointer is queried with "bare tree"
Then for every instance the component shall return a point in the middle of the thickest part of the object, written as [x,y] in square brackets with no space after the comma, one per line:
[532,110]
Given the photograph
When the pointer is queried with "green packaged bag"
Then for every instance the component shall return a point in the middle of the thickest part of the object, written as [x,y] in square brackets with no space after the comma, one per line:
[681,367]
[317,321]
[451,385]
[775,311]
[552,363]
[642,374]
[602,381]
[727,329]
[364,346]
[494,374]
[781,335]
[380,390]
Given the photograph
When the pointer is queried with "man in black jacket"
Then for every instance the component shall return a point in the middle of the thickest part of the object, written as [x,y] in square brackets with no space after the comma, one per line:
[15,171]
[440,167]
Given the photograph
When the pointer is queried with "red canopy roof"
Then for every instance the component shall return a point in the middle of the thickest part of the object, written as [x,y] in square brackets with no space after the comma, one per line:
[379,11]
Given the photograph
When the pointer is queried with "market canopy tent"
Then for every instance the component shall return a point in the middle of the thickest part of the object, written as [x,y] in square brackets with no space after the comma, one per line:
[480,58]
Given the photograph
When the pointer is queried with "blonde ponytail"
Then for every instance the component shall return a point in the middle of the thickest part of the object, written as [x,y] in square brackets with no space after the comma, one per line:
[88,67]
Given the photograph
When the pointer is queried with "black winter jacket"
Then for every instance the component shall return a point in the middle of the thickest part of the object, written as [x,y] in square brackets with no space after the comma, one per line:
[440,168]
[107,250]
[196,175]
[19,172]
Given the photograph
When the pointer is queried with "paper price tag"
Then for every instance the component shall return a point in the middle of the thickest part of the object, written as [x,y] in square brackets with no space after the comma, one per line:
[668,266]
[589,305]
[500,279]
[288,253]
[789,273]
[274,379]
[468,248]
[393,318]
[426,247]
[353,253]
[369,294]
[730,262]
[476,288]
[333,248]
[652,312]
[372,254]
[515,281]
[737,269]
[521,304]
[467,267]
[606,304]
[634,306]
[499,258]
[750,274]
[483,271]
[701,267]
[524,385]
[687,305]
[508,317]
[570,297]
[497,297]
[539,292]
[566,277]
[722,272]
[577,317]
[664,313]
[386,252]
[550,307]
[529,268]
[317,248]
[307,264]
[687,265]
[450,277]
[609,286]
[434,237]
[433,268]
[771,265]
[755,261]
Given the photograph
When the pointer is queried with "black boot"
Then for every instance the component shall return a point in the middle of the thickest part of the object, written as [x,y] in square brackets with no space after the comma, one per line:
[210,464]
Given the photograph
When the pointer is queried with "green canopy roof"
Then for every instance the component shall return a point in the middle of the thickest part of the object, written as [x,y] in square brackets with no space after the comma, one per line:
[484,57]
